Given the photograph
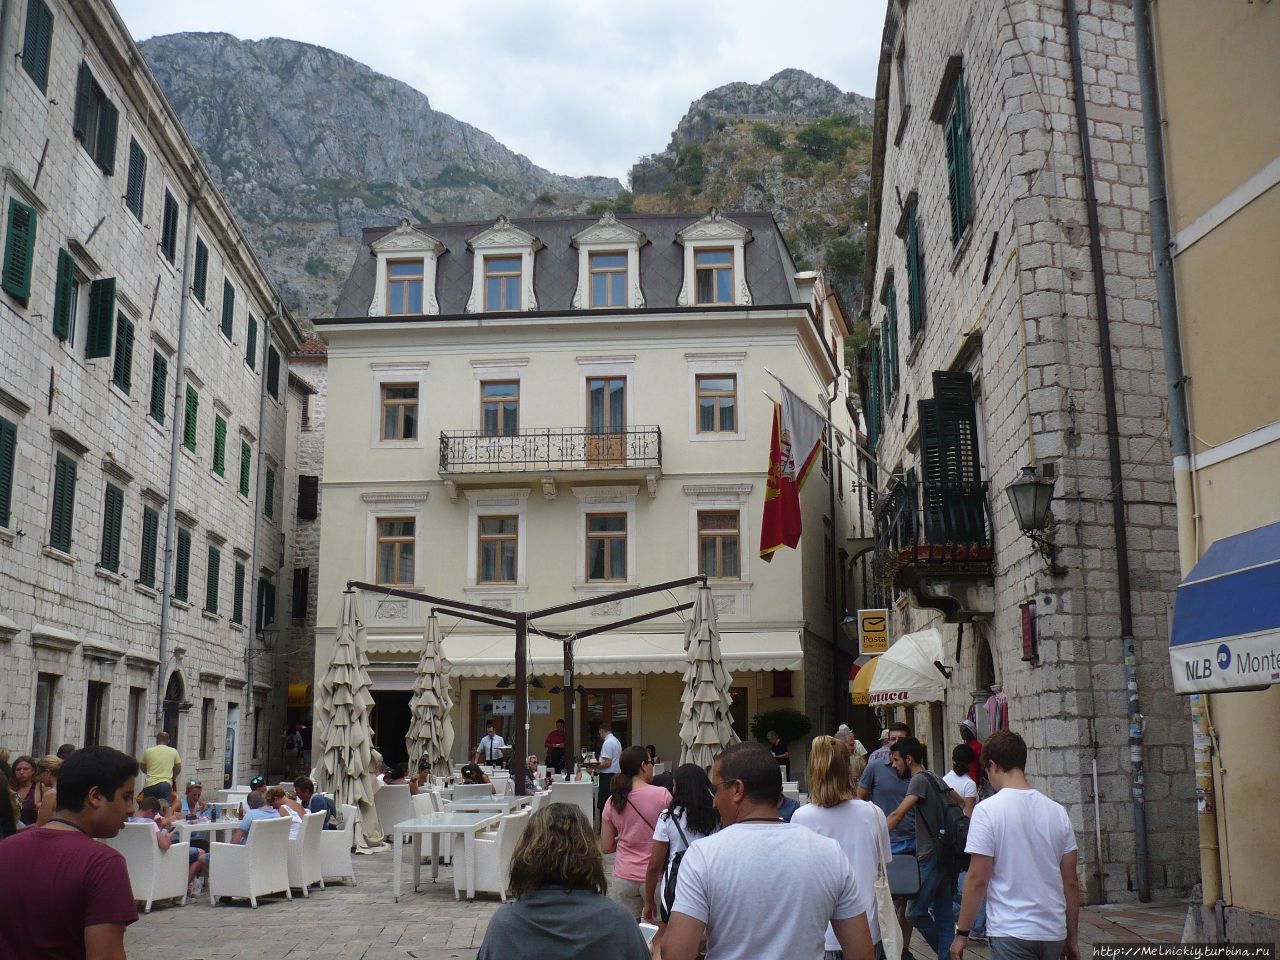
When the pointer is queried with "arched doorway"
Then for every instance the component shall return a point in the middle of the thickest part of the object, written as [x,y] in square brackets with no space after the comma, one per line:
[174,695]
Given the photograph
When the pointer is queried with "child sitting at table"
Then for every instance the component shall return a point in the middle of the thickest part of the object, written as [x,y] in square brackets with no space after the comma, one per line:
[151,810]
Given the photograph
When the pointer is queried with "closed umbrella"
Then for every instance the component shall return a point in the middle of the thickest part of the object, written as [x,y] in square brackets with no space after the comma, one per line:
[430,729]
[343,702]
[911,671]
[706,726]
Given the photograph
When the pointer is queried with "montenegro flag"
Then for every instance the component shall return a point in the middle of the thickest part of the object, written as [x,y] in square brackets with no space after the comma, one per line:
[781,525]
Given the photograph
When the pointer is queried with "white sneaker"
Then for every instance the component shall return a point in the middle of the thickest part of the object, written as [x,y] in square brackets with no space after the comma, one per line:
[196,886]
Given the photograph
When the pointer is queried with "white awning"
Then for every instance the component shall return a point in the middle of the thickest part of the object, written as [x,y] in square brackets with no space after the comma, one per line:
[489,655]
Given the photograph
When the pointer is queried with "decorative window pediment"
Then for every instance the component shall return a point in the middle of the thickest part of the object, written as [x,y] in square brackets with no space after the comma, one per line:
[401,289]
[503,240]
[714,232]
[604,237]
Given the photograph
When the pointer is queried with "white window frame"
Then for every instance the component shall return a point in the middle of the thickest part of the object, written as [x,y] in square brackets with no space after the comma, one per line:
[593,500]
[486,371]
[607,235]
[390,506]
[406,242]
[503,239]
[508,502]
[714,232]
[725,496]
[392,373]
[711,364]
[616,366]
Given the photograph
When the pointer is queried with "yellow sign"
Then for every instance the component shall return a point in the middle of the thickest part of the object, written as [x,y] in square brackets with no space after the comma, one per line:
[873,632]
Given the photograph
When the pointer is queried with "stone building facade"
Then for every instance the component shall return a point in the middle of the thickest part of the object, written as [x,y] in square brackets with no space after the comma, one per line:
[982,304]
[143,408]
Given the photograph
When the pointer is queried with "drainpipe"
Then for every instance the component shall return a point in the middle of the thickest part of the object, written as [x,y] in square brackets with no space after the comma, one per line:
[251,703]
[175,451]
[1179,430]
[1136,773]
[838,715]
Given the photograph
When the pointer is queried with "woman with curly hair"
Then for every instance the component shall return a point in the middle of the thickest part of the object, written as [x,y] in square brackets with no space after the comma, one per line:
[561,911]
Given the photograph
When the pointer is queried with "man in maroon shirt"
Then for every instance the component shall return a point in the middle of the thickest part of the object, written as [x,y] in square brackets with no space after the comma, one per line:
[66,896]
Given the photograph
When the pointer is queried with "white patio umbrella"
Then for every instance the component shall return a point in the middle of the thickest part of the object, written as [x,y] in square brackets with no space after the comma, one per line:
[430,728]
[343,702]
[706,727]
[906,674]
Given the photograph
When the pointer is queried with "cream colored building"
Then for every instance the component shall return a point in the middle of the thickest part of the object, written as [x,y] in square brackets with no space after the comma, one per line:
[524,414]
[1216,96]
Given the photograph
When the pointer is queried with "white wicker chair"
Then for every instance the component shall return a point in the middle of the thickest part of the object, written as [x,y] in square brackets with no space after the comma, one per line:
[335,847]
[493,858]
[304,855]
[470,791]
[393,804]
[540,800]
[154,874]
[582,793]
[254,870]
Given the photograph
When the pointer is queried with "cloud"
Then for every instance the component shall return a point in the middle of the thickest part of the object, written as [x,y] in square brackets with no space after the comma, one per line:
[579,88]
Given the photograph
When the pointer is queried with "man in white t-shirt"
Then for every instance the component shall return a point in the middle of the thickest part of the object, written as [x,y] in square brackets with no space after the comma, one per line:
[610,751]
[1023,862]
[492,747]
[762,889]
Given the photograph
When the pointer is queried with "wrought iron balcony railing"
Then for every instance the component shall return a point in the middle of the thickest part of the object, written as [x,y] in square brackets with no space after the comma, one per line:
[549,449]
[932,523]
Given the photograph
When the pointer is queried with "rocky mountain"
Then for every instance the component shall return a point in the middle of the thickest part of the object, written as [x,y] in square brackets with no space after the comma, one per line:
[309,146]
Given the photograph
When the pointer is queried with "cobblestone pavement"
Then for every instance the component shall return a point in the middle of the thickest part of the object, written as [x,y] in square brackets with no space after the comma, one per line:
[363,922]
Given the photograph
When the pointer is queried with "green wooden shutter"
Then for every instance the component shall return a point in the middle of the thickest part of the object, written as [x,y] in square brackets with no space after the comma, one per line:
[64,295]
[102,312]
[64,503]
[237,600]
[273,373]
[37,43]
[873,395]
[122,374]
[964,167]
[891,313]
[228,308]
[269,495]
[189,424]
[159,382]
[112,517]
[169,228]
[219,445]
[211,580]
[136,187]
[251,344]
[183,572]
[930,473]
[150,537]
[200,276]
[108,124]
[8,462]
[84,101]
[886,365]
[246,458]
[19,250]
[915,274]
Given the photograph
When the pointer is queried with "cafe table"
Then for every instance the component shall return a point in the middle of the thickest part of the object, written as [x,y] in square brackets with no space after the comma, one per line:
[504,804]
[215,828]
[467,825]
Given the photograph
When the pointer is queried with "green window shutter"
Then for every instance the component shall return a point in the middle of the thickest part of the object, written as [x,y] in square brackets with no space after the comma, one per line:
[8,462]
[102,311]
[64,295]
[183,572]
[269,495]
[219,445]
[211,580]
[228,308]
[964,169]
[251,343]
[873,395]
[189,424]
[37,43]
[150,537]
[886,364]
[169,228]
[915,275]
[122,374]
[273,372]
[891,313]
[237,600]
[108,124]
[84,101]
[159,378]
[136,186]
[64,503]
[112,517]
[19,250]
[246,458]
[200,275]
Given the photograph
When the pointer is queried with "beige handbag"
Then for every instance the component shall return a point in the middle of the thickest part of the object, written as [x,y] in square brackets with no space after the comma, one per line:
[886,915]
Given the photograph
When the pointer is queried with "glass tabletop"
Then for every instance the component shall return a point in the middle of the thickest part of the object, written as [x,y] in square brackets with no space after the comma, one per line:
[485,802]
[454,818]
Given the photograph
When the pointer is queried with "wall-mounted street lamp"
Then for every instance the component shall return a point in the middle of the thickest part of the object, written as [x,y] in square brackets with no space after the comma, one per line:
[1031,497]
[506,682]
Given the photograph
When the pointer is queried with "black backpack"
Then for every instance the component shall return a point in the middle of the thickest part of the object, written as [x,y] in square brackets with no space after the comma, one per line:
[672,873]
[950,836]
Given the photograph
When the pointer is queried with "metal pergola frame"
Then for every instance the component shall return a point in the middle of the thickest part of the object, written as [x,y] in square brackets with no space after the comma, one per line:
[520,622]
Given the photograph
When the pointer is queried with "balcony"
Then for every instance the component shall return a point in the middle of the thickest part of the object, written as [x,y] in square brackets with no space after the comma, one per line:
[934,540]
[552,454]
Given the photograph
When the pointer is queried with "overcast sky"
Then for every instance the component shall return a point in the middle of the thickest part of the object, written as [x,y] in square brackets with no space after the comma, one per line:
[578,87]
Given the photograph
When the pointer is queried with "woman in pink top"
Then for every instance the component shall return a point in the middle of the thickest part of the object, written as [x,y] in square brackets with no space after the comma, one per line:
[627,825]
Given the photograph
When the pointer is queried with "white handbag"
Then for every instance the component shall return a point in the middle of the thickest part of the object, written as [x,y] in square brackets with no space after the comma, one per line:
[886,914]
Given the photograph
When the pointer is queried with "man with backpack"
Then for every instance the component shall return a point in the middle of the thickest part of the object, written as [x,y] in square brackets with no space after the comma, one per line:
[941,831]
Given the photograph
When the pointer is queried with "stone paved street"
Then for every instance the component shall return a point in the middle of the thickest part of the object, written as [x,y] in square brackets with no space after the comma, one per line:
[364,923]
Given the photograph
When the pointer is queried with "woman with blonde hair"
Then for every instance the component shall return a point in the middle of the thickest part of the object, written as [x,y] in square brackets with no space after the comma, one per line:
[561,911]
[858,826]
[45,791]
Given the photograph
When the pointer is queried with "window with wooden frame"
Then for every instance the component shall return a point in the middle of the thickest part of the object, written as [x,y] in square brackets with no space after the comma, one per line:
[959,175]
[95,120]
[713,271]
[502,283]
[404,287]
[608,279]
[396,537]
[717,402]
[399,411]
[499,542]
[500,408]
[718,545]
[606,546]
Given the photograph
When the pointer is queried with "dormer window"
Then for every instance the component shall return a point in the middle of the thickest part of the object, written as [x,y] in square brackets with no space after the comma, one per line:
[406,276]
[501,283]
[404,287]
[715,275]
[608,265]
[714,262]
[502,274]
[608,279]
